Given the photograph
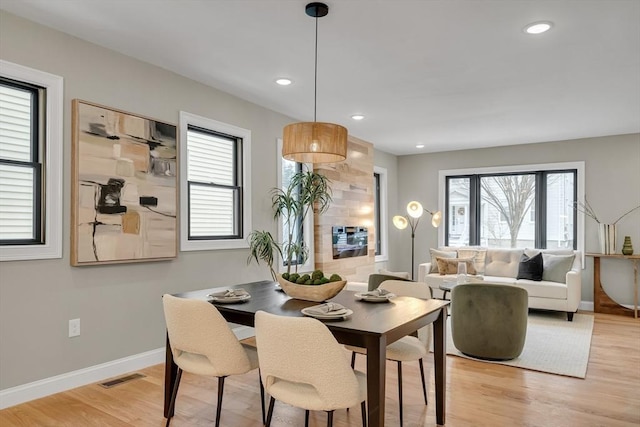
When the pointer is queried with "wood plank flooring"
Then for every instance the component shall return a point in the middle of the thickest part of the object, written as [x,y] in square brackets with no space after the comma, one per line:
[478,394]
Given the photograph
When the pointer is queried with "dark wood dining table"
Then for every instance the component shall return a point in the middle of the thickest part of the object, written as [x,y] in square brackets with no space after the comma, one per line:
[372,326]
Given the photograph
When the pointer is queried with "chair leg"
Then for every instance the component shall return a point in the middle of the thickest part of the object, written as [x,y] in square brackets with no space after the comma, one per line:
[174,393]
[424,381]
[261,396]
[306,418]
[363,407]
[400,389]
[353,359]
[329,418]
[220,392]
[270,411]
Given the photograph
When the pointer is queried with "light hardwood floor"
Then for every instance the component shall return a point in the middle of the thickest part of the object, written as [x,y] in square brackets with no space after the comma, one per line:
[478,394]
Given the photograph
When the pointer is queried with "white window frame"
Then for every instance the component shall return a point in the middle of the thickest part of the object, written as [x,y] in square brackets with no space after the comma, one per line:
[307,226]
[384,204]
[52,162]
[580,177]
[187,119]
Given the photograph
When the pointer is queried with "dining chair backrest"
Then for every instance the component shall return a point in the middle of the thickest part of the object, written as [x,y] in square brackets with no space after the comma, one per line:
[376,279]
[407,288]
[303,350]
[197,329]
[411,289]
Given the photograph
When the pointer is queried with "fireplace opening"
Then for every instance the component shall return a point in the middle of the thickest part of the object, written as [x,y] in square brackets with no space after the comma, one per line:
[349,241]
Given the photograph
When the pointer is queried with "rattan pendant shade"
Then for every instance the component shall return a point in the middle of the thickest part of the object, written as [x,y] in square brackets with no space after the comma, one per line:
[315,142]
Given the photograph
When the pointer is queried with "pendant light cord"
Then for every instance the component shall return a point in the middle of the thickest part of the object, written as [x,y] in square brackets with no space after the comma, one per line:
[315,78]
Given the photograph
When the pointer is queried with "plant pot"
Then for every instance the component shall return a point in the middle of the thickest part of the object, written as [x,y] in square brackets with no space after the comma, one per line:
[627,247]
[316,293]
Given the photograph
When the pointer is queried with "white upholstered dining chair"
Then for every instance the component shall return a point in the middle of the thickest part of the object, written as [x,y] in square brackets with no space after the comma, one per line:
[409,348]
[302,364]
[202,343]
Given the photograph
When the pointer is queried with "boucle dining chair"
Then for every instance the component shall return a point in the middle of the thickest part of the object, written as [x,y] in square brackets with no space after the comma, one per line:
[302,364]
[202,343]
[409,348]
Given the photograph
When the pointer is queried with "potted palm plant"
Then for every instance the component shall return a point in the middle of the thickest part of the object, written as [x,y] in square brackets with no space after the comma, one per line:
[307,192]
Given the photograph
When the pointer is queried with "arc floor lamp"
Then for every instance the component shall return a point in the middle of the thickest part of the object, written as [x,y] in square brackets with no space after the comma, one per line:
[412,219]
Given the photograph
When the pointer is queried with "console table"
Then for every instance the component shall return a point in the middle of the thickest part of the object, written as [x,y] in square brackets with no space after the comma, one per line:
[602,303]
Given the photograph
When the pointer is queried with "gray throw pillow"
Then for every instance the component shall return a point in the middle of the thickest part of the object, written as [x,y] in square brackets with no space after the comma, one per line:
[435,253]
[555,267]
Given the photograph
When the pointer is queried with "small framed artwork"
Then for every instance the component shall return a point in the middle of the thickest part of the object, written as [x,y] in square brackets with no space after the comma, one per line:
[123,187]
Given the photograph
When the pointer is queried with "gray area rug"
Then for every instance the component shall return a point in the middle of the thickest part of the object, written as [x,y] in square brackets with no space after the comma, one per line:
[552,345]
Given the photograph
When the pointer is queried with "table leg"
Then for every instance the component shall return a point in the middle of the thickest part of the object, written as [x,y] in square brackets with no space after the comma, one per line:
[635,288]
[170,374]
[597,286]
[376,376]
[440,363]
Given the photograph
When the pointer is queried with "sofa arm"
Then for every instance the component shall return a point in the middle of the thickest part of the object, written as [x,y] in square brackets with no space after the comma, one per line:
[423,270]
[574,289]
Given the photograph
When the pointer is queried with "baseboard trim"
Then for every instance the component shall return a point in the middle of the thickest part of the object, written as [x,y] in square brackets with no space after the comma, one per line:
[59,383]
[41,388]
[586,306]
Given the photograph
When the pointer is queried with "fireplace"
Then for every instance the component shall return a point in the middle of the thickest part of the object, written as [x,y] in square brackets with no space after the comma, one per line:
[349,241]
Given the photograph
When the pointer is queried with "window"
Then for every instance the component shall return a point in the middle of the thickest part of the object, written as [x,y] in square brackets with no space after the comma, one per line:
[31,105]
[528,206]
[376,211]
[380,212]
[286,169]
[215,196]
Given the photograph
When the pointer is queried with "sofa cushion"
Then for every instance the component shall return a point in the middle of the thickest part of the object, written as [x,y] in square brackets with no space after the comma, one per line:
[543,289]
[442,254]
[478,255]
[503,262]
[530,267]
[560,251]
[450,265]
[435,280]
[555,267]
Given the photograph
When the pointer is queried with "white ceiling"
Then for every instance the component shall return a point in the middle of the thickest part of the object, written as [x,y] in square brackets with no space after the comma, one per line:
[449,74]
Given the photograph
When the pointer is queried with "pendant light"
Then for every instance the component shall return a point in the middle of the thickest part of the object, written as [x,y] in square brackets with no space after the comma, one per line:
[315,142]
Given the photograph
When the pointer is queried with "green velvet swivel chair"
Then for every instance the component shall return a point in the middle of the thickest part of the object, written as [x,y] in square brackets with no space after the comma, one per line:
[489,321]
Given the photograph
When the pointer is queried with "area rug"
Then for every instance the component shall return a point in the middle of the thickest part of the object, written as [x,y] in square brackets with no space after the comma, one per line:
[552,345]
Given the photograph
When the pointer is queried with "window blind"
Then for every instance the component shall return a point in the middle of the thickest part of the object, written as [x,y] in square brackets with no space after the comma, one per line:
[213,184]
[18,172]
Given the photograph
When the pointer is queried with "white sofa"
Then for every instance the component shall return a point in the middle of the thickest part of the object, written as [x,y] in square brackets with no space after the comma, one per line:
[501,266]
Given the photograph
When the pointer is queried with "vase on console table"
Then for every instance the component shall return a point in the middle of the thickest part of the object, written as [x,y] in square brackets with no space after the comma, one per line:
[627,247]
[607,236]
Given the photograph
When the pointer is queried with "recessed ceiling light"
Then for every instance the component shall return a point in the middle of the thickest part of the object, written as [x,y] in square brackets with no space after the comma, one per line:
[419,145]
[538,27]
[357,117]
[284,82]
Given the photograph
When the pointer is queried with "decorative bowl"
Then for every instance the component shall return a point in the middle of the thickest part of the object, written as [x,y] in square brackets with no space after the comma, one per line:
[316,293]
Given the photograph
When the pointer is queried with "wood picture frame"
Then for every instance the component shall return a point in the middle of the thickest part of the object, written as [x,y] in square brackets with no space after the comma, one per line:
[124,199]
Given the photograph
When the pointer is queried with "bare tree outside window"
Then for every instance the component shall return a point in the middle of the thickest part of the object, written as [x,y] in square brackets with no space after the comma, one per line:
[512,196]
[512,209]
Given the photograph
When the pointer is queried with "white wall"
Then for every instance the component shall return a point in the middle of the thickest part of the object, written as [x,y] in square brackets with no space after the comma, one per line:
[119,305]
[612,185]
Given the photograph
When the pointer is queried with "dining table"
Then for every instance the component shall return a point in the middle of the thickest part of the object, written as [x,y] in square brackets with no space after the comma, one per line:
[372,326]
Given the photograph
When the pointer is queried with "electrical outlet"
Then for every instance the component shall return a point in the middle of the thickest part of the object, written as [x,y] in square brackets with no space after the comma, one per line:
[74,328]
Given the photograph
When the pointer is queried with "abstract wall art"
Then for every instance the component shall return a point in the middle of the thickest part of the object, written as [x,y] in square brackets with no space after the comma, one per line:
[124,199]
